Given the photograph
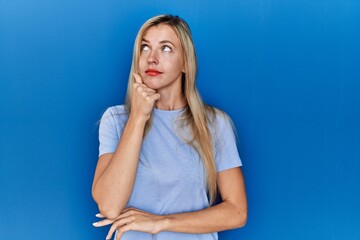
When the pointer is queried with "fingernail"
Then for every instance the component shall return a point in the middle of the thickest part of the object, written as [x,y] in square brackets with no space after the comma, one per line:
[98,215]
[95,224]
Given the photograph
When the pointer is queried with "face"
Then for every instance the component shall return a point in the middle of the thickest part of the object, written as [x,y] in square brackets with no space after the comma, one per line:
[161,62]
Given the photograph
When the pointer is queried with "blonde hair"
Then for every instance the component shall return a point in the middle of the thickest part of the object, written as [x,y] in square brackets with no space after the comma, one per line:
[197,115]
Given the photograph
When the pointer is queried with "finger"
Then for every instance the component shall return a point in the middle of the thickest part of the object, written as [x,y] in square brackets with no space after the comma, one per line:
[134,209]
[155,97]
[99,215]
[111,232]
[130,208]
[119,223]
[118,235]
[142,87]
[137,78]
[145,89]
[146,94]
[149,90]
[103,223]
[128,212]
[122,230]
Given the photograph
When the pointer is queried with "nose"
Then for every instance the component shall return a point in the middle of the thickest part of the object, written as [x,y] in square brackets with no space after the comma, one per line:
[153,58]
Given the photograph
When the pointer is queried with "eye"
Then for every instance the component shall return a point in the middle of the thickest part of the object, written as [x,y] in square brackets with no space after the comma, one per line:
[166,48]
[144,47]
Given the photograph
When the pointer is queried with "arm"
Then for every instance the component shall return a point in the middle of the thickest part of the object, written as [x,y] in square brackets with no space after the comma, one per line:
[115,173]
[230,213]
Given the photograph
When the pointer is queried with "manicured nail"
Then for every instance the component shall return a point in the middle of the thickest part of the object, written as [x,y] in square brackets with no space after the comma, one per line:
[95,224]
[98,215]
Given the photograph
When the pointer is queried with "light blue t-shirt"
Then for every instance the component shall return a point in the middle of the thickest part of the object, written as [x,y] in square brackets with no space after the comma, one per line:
[170,175]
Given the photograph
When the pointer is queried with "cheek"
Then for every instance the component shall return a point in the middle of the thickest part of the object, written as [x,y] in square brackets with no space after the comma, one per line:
[142,64]
[178,63]
[177,66]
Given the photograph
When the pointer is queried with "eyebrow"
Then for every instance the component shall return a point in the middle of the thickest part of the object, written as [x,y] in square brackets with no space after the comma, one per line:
[162,42]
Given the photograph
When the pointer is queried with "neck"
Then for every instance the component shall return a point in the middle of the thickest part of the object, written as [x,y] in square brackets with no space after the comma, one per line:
[171,101]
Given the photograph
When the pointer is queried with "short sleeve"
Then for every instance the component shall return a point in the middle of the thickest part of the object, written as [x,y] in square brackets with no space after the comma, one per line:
[108,136]
[226,152]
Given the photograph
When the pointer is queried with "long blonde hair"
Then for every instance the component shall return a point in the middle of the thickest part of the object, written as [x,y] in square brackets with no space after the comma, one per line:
[197,115]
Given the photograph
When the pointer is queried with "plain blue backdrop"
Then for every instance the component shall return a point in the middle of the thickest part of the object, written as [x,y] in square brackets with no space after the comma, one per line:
[287,72]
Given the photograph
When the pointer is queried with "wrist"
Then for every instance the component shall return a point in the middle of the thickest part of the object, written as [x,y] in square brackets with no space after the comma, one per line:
[164,223]
[138,119]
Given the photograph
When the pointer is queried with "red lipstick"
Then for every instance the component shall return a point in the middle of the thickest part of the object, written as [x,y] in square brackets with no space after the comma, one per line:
[152,72]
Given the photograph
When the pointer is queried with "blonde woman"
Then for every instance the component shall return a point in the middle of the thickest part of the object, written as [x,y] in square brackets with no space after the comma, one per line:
[165,155]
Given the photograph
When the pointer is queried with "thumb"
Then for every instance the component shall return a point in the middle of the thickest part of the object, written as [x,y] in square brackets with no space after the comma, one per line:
[137,78]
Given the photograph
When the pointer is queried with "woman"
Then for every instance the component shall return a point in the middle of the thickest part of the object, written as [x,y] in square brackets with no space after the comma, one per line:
[164,154]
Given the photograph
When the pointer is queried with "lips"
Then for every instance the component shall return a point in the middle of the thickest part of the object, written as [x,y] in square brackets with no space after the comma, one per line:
[152,72]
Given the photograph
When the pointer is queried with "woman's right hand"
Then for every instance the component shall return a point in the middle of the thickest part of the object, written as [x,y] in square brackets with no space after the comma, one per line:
[143,99]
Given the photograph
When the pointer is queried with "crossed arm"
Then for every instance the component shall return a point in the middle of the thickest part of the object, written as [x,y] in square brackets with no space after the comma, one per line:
[115,176]
[230,213]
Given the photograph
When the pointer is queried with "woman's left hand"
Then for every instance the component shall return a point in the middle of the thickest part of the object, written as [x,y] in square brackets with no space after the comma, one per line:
[131,219]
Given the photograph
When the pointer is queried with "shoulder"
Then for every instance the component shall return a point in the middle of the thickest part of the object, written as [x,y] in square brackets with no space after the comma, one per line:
[220,124]
[115,112]
[217,117]
[114,115]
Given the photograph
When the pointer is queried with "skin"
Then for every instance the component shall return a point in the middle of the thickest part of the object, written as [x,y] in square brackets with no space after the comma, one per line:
[161,50]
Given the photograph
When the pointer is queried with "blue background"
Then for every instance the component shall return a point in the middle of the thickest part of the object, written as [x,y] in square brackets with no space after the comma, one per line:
[287,72]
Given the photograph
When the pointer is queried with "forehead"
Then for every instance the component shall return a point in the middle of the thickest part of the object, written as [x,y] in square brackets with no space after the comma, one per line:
[161,32]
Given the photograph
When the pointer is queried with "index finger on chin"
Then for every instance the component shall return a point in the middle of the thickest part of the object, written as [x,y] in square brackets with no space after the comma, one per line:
[137,78]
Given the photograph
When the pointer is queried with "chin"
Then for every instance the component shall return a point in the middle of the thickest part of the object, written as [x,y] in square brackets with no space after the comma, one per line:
[153,87]
[151,84]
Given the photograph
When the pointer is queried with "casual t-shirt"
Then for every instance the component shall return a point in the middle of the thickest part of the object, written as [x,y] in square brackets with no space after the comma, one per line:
[170,175]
